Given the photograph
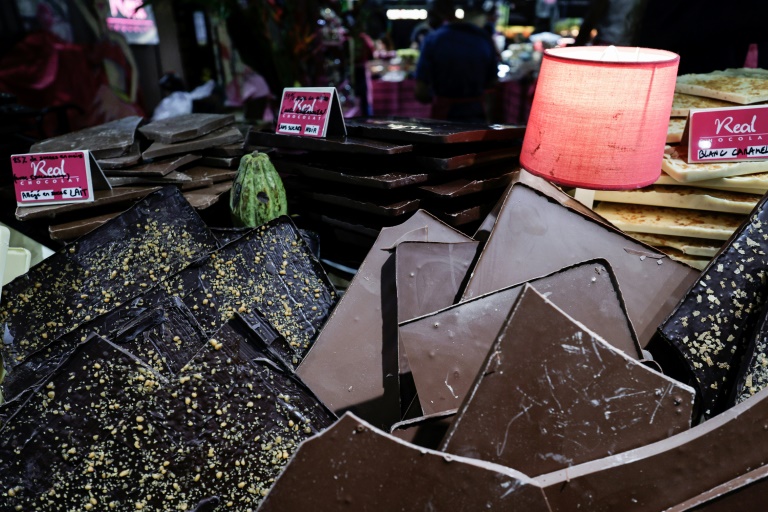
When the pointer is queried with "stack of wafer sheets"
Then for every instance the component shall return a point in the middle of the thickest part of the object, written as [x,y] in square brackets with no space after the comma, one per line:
[693,208]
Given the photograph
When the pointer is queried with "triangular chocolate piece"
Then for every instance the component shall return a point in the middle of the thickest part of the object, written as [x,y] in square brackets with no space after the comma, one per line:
[710,325]
[534,235]
[353,465]
[108,140]
[552,394]
[353,365]
[446,349]
[666,473]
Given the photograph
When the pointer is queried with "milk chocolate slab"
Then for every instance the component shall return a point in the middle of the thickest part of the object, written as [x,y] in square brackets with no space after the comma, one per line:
[115,196]
[474,183]
[108,140]
[383,206]
[132,157]
[185,127]
[129,254]
[430,275]
[552,394]
[748,491]
[78,228]
[658,476]
[203,198]
[225,135]
[683,197]
[711,323]
[216,175]
[227,150]
[534,235]
[353,465]
[346,176]
[446,349]
[353,364]
[411,130]
[158,168]
[339,144]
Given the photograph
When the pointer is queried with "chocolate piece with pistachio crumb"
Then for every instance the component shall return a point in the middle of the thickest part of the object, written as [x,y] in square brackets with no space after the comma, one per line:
[117,261]
[753,371]
[710,325]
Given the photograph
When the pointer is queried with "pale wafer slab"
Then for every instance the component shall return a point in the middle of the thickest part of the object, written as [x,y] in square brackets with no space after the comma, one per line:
[675,163]
[683,103]
[747,184]
[683,197]
[675,130]
[743,86]
[670,221]
[689,246]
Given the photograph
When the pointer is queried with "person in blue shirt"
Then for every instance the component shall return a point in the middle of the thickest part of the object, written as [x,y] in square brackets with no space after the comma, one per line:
[457,64]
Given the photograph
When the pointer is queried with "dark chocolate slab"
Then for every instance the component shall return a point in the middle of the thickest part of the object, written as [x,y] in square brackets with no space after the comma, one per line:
[132,157]
[389,180]
[552,394]
[185,127]
[411,130]
[534,235]
[203,198]
[747,492]
[115,196]
[465,215]
[227,150]
[222,136]
[710,325]
[157,168]
[467,160]
[426,431]
[664,474]
[472,184]
[383,206]
[753,371]
[126,256]
[446,349]
[354,466]
[78,228]
[229,162]
[340,144]
[108,140]
[430,276]
[353,364]
[214,174]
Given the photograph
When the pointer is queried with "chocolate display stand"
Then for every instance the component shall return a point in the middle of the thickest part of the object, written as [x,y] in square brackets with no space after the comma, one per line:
[552,394]
[353,364]
[347,466]
[185,127]
[533,235]
[664,474]
[411,130]
[109,140]
[710,325]
[446,348]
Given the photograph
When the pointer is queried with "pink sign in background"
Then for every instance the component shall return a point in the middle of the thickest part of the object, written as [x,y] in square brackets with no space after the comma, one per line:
[48,178]
[728,134]
[304,111]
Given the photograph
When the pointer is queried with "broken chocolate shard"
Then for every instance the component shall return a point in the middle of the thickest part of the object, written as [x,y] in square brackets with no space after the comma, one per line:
[337,144]
[381,180]
[753,371]
[535,234]
[467,159]
[746,492]
[361,333]
[185,127]
[132,157]
[478,181]
[353,465]
[710,324]
[203,198]
[225,135]
[427,431]
[382,206]
[108,140]
[411,130]
[658,476]
[158,168]
[552,394]
[446,349]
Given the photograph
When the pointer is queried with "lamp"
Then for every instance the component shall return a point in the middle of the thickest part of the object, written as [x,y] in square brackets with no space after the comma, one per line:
[600,116]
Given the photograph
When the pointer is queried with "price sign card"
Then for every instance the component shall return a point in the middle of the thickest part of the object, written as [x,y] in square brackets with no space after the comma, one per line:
[310,112]
[56,178]
[727,134]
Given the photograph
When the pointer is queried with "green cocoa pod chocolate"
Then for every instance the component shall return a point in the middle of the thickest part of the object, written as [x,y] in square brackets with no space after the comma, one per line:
[258,194]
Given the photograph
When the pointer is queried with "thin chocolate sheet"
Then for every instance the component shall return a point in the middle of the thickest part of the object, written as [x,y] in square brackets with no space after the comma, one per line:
[108,140]
[446,349]
[339,144]
[203,198]
[157,168]
[411,130]
[353,364]
[552,394]
[661,475]
[472,184]
[752,375]
[389,180]
[116,196]
[747,492]
[220,162]
[220,137]
[185,127]
[383,206]
[126,256]
[78,228]
[534,235]
[132,157]
[467,160]
[214,174]
[354,466]
[710,324]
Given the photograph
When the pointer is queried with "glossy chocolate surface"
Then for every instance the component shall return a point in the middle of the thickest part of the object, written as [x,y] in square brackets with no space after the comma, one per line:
[411,130]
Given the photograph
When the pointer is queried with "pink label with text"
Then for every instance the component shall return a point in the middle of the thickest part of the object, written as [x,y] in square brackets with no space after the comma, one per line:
[728,134]
[46,178]
[304,111]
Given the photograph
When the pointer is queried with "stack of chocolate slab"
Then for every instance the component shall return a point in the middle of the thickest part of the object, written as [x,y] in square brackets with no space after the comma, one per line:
[198,153]
[693,208]
[387,169]
[520,357]
[158,360]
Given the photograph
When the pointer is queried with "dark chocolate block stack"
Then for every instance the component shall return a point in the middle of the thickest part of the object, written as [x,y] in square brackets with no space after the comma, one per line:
[198,153]
[387,169]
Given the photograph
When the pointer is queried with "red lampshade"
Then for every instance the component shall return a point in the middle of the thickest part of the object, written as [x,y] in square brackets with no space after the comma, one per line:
[600,116]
